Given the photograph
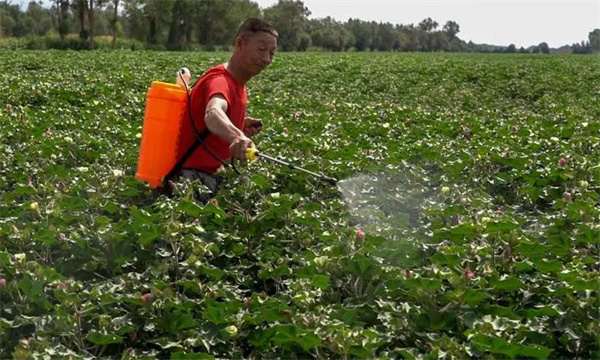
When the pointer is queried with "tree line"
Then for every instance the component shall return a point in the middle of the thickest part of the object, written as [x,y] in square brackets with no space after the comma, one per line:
[210,25]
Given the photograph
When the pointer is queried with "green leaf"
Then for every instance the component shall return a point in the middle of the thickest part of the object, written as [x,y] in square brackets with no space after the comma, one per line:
[190,208]
[463,229]
[548,266]
[531,250]
[191,356]
[361,352]
[285,334]
[535,351]
[309,341]
[409,354]
[45,237]
[581,285]
[176,322]
[510,284]
[545,311]
[321,281]
[474,297]
[262,338]
[494,227]
[148,233]
[359,265]
[103,339]
[495,345]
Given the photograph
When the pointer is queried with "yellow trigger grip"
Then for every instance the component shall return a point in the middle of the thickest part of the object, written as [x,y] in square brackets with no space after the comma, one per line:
[251,154]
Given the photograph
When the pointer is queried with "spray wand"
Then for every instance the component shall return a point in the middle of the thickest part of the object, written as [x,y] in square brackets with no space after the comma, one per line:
[252,154]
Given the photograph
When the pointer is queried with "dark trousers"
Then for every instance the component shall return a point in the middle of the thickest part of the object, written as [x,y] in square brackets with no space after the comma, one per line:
[210,181]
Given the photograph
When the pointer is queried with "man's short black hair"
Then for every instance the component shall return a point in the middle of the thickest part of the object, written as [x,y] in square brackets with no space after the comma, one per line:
[253,25]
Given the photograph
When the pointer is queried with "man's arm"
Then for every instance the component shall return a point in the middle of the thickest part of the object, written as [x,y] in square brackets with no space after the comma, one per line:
[219,124]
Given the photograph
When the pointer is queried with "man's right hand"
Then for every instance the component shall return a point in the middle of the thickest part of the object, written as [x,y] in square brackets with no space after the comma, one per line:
[238,147]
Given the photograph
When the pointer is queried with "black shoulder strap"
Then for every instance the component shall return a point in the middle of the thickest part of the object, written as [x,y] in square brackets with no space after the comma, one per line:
[199,138]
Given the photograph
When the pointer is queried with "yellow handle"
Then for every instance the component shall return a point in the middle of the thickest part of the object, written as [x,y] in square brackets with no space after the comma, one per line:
[251,154]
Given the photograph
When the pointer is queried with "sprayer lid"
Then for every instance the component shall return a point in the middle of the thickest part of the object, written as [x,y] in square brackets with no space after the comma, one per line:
[166,90]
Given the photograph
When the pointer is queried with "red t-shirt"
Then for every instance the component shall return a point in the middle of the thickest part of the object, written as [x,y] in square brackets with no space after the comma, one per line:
[216,81]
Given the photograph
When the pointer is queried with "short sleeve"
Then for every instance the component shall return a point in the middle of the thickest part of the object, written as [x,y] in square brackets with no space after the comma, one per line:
[217,86]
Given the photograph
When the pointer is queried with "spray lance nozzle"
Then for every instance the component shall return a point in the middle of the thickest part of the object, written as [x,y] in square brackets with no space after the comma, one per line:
[252,154]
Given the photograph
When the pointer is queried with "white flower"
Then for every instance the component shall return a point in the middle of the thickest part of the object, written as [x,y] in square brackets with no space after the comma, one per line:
[232,330]
[20,257]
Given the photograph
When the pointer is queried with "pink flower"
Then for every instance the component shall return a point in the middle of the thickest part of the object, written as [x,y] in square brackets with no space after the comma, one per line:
[9,108]
[146,298]
[567,196]
[470,274]
[2,282]
[360,235]
[562,162]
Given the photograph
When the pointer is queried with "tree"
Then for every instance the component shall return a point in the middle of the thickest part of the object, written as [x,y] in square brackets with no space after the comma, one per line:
[80,7]
[543,48]
[451,29]
[181,25]
[157,13]
[92,22]
[330,34]
[385,37]
[114,21]
[428,25]
[134,22]
[62,14]
[361,32]
[511,49]
[289,17]
[594,40]
[37,19]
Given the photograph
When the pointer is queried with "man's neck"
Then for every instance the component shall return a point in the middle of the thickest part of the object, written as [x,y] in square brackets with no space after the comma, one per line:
[234,68]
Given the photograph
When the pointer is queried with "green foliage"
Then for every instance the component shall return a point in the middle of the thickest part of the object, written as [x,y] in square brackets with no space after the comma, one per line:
[496,262]
[197,25]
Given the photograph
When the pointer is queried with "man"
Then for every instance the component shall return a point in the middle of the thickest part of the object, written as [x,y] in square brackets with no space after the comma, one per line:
[218,103]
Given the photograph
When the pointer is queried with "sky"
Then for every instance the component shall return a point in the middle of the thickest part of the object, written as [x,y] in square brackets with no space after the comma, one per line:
[523,23]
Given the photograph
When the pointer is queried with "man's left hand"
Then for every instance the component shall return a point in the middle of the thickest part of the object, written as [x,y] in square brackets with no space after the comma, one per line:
[253,126]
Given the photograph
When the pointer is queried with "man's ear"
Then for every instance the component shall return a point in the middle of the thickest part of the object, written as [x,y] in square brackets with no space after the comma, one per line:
[239,42]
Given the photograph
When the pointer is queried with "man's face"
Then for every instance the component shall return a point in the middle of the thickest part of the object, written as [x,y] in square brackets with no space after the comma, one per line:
[257,51]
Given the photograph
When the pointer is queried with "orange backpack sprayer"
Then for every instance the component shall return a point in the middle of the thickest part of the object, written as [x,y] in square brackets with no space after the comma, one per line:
[167,109]
[163,120]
